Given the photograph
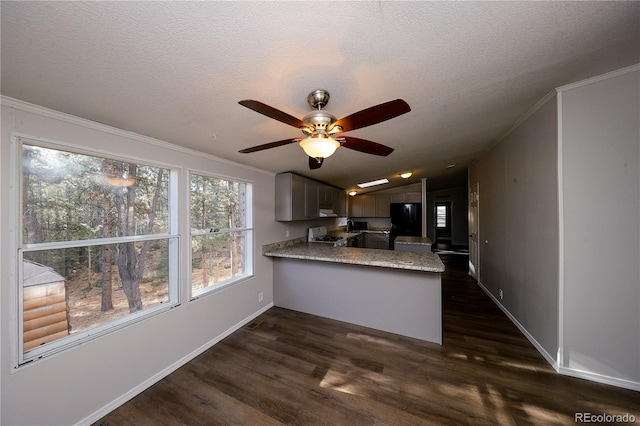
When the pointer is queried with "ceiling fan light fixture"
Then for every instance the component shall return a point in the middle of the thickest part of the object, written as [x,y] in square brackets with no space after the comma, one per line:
[318,146]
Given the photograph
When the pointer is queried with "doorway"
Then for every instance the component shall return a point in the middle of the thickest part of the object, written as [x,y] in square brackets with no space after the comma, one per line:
[474,247]
[443,222]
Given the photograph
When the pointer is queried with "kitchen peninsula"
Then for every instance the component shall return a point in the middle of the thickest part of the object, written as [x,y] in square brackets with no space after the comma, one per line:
[398,292]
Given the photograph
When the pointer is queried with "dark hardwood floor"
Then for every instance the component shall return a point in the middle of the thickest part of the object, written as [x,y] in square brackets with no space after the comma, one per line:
[292,368]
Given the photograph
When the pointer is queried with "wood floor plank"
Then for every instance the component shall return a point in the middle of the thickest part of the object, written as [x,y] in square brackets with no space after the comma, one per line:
[288,367]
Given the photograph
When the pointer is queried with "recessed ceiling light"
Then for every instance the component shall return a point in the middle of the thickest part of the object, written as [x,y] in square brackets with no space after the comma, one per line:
[373,183]
[406,175]
[352,193]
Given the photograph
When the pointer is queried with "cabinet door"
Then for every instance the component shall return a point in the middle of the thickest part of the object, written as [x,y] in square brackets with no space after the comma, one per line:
[383,205]
[412,197]
[298,202]
[325,196]
[312,205]
[340,203]
[397,198]
[369,205]
[356,206]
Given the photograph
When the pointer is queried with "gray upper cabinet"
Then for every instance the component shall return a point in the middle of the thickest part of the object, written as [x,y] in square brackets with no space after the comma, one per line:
[407,197]
[300,198]
[340,203]
[325,197]
[296,198]
[311,201]
[370,206]
[383,206]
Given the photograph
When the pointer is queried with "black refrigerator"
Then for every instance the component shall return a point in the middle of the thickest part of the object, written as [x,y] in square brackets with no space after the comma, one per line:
[406,220]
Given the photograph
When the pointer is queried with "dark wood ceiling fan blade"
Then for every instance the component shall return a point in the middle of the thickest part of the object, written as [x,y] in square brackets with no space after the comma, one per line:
[373,115]
[269,145]
[315,163]
[366,146]
[274,113]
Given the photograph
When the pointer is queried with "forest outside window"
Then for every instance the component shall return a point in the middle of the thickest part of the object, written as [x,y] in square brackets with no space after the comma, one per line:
[97,248]
[221,232]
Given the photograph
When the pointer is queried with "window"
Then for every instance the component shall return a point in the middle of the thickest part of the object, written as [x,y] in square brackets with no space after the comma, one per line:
[441,216]
[97,248]
[221,232]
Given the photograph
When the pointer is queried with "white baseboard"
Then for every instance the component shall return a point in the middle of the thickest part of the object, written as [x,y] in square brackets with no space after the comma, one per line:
[550,359]
[594,377]
[170,369]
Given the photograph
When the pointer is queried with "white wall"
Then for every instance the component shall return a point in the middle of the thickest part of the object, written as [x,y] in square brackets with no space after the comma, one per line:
[518,220]
[600,150]
[77,385]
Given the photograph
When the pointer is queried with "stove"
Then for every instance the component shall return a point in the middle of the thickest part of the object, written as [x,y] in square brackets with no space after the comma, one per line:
[318,234]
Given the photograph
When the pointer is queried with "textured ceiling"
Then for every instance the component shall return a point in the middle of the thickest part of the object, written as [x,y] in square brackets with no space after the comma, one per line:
[175,71]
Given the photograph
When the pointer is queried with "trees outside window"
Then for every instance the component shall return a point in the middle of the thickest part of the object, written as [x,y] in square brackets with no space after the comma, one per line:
[221,232]
[101,224]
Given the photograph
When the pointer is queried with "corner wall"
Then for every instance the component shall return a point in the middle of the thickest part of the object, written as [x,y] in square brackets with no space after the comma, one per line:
[560,227]
[599,132]
[518,226]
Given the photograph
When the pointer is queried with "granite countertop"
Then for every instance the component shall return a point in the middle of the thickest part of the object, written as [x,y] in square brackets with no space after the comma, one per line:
[353,234]
[424,262]
[346,234]
[413,240]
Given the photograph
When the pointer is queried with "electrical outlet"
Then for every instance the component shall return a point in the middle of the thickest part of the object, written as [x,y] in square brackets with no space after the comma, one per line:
[286,233]
[260,297]
[500,294]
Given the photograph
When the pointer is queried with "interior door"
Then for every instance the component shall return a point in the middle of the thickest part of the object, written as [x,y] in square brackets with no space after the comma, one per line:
[474,255]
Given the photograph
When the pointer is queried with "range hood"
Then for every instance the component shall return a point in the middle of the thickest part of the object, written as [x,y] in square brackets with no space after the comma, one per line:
[327,213]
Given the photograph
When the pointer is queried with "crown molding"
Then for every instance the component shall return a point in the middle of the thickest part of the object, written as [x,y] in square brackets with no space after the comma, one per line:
[9,102]
[598,78]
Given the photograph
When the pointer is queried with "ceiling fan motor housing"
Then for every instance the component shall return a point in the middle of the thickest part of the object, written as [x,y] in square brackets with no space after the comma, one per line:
[319,120]
[318,99]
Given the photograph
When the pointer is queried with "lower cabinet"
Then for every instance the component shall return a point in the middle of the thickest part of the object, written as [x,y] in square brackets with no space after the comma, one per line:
[376,240]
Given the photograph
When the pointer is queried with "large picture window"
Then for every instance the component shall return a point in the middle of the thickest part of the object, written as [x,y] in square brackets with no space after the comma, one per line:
[221,232]
[97,246]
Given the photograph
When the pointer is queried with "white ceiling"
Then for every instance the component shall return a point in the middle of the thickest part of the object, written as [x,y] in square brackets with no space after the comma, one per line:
[175,71]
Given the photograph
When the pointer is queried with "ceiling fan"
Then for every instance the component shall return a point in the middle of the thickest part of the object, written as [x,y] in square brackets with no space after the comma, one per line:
[320,128]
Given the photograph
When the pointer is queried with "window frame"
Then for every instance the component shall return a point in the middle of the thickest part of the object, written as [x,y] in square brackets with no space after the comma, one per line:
[20,358]
[249,255]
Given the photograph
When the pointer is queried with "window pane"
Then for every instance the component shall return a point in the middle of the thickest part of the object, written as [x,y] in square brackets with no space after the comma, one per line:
[70,197]
[441,216]
[72,290]
[216,258]
[217,203]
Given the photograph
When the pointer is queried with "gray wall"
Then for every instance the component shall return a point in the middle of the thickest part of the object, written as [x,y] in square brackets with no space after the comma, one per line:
[560,227]
[600,148]
[519,225]
[74,386]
